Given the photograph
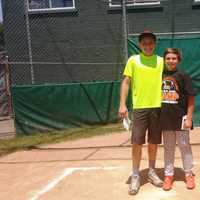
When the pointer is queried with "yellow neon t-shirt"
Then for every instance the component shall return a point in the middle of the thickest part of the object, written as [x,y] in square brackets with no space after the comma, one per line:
[146,80]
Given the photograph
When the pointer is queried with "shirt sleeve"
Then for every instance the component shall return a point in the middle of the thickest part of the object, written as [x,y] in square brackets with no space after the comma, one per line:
[188,88]
[128,71]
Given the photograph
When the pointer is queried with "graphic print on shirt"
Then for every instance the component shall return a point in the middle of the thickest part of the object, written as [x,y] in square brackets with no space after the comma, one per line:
[170,90]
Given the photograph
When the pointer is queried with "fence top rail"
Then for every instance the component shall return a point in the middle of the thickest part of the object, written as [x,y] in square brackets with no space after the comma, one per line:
[169,33]
[65,63]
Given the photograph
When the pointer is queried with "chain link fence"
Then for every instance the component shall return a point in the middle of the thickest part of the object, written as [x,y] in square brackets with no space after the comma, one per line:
[48,47]
[5,94]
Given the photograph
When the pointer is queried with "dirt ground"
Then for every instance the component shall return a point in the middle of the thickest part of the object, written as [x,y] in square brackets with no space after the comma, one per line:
[96,168]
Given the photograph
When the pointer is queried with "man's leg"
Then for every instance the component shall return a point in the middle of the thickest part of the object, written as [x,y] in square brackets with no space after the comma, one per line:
[154,138]
[152,176]
[152,152]
[135,178]
[136,157]
[140,124]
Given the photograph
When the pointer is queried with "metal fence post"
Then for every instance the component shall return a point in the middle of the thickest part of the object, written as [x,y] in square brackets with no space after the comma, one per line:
[125,35]
[29,41]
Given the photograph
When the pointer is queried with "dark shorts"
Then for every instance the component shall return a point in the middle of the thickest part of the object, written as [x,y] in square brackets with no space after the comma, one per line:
[146,120]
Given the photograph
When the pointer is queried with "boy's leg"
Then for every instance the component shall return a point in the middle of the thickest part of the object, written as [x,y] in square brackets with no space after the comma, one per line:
[183,141]
[154,138]
[186,153]
[169,140]
[140,124]
[152,152]
[135,177]
[136,157]
[154,135]
[152,176]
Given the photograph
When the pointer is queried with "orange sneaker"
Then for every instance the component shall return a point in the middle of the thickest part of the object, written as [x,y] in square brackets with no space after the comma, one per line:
[168,182]
[190,182]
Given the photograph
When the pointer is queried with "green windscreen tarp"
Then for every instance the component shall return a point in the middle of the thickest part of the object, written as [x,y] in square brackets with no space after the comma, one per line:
[45,108]
[190,48]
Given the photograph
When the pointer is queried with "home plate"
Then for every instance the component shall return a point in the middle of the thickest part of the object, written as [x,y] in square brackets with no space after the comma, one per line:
[66,172]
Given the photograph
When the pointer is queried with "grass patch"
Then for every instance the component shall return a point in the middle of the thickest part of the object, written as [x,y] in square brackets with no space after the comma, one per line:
[31,141]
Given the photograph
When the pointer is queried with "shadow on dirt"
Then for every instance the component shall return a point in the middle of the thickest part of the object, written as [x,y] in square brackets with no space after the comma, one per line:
[179,175]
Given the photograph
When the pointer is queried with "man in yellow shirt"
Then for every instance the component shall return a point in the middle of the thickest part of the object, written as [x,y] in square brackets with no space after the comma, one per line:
[144,73]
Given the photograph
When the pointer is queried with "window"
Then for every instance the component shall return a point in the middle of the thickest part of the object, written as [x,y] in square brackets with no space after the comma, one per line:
[196,4]
[117,3]
[50,4]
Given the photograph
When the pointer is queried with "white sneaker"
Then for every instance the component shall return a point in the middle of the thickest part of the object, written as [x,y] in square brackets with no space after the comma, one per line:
[134,185]
[154,179]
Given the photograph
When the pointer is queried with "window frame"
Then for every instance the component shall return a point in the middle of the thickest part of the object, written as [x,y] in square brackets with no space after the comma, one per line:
[135,4]
[51,8]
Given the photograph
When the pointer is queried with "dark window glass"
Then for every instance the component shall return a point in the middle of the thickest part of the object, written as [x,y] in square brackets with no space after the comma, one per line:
[62,3]
[38,4]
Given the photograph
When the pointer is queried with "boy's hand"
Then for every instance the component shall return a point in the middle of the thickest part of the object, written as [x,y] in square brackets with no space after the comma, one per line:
[188,123]
[123,112]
